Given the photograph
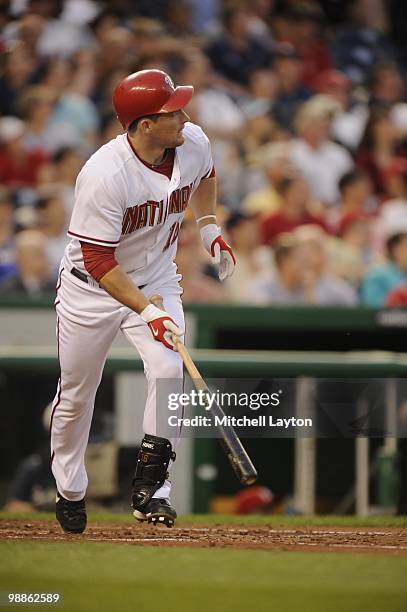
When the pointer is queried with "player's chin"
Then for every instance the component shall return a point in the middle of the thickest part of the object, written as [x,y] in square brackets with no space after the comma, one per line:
[179,139]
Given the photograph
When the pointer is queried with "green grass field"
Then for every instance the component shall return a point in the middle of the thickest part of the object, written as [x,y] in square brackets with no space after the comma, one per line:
[230,519]
[122,577]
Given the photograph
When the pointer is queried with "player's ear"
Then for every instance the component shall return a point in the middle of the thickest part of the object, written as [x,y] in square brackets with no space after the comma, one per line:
[146,125]
[143,124]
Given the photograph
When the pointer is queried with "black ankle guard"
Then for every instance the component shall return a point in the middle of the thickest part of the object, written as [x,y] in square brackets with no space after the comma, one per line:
[151,470]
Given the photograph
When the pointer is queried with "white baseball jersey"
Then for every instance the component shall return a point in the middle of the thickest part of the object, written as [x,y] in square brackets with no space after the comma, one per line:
[120,202]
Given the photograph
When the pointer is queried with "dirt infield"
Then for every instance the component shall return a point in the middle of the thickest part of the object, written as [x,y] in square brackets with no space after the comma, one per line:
[265,537]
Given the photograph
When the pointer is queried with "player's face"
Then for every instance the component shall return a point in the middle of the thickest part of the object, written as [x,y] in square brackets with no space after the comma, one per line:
[168,129]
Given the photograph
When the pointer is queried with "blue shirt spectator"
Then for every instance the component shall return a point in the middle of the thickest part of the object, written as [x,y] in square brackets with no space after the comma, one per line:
[382,279]
[379,282]
[357,47]
[236,53]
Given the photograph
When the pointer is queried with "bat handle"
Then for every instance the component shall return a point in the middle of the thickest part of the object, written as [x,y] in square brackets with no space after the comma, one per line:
[157,300]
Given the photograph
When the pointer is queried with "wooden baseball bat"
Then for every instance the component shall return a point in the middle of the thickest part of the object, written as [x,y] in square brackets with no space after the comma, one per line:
[234,449]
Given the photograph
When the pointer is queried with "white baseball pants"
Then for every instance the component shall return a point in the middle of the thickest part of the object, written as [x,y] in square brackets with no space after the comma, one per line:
[88,320]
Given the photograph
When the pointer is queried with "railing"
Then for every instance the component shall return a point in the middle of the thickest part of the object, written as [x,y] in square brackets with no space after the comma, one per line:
[304,366]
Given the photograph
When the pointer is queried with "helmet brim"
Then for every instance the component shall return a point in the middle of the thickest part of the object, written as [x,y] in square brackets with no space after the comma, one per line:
[180,98]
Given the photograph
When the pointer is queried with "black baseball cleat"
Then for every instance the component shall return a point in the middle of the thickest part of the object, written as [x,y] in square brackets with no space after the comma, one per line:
[71,515]
[158,511]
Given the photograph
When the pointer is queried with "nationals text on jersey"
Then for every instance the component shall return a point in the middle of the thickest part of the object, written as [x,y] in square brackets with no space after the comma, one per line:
[153,213]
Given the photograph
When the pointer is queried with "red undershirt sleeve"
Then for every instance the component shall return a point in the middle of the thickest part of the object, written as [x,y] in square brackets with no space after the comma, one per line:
[211,174]
[98,260]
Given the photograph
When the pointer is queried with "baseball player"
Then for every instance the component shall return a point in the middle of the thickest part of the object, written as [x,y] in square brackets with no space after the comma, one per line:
[130,200]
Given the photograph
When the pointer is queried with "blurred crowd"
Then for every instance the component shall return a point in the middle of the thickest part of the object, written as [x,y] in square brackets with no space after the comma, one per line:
[304,102]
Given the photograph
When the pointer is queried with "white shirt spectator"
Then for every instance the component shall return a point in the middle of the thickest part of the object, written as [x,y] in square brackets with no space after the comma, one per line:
[52,138]
[328,291]
[322,167]
[217,112]
[348,127]
[62,39]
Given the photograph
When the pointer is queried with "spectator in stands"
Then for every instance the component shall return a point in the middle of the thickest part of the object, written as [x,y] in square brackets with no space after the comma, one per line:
[378,147]
[286,284]
[393,212]
[43,133]
[323,287]
[397,297]
[356,198]
[263,86]
[350,120]
[351,251]
[291,283]
[115,52]
[260,127]
[152,46]
[73,105]
[259,130]
[381,280]
[295,209]
[321,160]
[52,221]
[32,277]
[103,22]
[255,262]
[104,88]
[204,14]
[65,167]
[395,180]
[26,29]
[288,67]
[18,167]
[335,84]
[7,258]
[178,18]
[386,84]
[303,28]
[274,160]
[357,46]
[355,230]
[58,36]
[18,66]
[236,52]
[356,192]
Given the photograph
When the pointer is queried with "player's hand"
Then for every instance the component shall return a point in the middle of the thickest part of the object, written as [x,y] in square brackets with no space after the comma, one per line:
[220,251]
[161,325]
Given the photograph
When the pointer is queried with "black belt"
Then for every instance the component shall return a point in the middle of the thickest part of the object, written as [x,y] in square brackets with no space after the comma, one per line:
[83,277]
[79,275]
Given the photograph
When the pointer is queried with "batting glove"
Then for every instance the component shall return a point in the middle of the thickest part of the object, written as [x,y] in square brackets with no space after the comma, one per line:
[161,325]
[218,249]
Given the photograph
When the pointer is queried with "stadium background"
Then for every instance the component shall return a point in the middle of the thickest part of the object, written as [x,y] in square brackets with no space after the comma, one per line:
[305,106]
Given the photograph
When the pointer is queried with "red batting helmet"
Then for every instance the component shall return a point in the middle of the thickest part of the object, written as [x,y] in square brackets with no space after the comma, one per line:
[148,92]
[254,500]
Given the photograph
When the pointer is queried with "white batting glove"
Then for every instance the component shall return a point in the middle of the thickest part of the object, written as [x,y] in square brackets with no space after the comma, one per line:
[161,325]
[218,249]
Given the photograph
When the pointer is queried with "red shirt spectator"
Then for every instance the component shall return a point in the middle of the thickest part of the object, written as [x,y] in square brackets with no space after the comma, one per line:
[397,298]
[22,169]
[378,149]
[294,212]
[280,222]
[17,166]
